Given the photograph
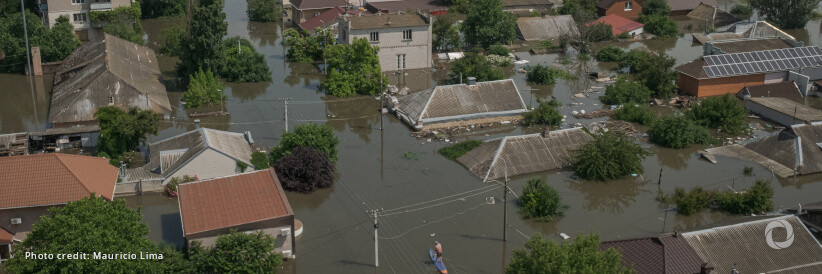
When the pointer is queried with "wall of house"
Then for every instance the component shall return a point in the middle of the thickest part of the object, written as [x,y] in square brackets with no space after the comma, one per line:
[207,165]
[133,188]
[637,31]
[718,86]
[770,114]
[29,216]
[272,227]
[618,8]
[776,77]
[417,50]
[83,29]
[87,139]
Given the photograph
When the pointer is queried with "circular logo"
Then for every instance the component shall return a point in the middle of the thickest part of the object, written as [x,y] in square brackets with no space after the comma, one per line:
[769,234]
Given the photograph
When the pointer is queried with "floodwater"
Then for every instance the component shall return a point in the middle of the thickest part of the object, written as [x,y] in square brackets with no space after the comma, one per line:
[428,197]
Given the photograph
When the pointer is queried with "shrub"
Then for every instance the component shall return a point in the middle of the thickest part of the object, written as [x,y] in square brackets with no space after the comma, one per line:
[678,132]
[475,65]
[498,50]
[742,11]
[631,58]
[747,171]
[624,91]
[319,137]
[624,35]
[722,112]
[545,114]
[536,13]
[304,48]
[539,201]
[172,186]
[242,165]
[635,114]
[547,44]
[544,75]
[657,74]
[753,201]
[173,40]
[263,11]
[459,149]
[599,32]
[609,156]
[204,89]
[688,203]
[243,62]
[305,170]
[661,26]
[259,160]
[499,60]
[610,54]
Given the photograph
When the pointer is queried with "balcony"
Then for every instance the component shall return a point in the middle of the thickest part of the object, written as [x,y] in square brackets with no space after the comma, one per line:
[101,5]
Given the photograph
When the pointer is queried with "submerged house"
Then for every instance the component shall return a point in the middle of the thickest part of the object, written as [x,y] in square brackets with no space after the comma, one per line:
[620,25]
[545,27]
[783,111]
[404,38]
[523,154]
[788,90]
[744,31]
[630,9]
[459,102]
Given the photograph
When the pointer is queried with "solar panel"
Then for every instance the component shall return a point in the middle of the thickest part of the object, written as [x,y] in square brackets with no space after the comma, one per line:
[748,67]
[762,61]
[715,70]
[794,64]
[791,53]
[709,72]
[735,58]
[806,61]
[710,60]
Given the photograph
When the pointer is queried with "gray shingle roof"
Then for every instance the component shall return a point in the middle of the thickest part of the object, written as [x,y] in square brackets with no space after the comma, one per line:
[548,27]
[168,155]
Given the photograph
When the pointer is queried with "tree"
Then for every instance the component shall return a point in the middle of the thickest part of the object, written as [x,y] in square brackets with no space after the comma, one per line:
[545,114]
[305,48]
[656,7]
[754,201]
[609,156]
[55,44]
[122,27]
[173,41]
[239,252]
[456,151]
[635,114]
[321,138]
[498,50]
[163,8]
[260,160]
[624,91]
[610,53]
[657,74]
[243,62]
[446,34]
[580,256]
[743,12]
[305,170]
[10,7]
[487,24]
[789,14]
[121,131]
[204,89]
[86,226]
[631,58]
[354,69]
[660,25]
[575,7]
[204,46]
[473,64]
[544,75]
[722,112]
[678,132]
[264,11]
[540,201]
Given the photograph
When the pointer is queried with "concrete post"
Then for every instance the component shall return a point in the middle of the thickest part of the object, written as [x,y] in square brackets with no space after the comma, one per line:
[37,64]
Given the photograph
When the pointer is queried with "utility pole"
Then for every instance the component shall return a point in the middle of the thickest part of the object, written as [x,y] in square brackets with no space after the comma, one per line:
[222,92]
[505,204]
[26,35]
[660,177]
[382,101]
[376,238]
[285,118]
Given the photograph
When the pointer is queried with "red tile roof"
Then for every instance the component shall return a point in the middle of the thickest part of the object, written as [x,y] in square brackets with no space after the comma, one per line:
[5,236]
[54,178]
[233,200]
[619,24]
[327,18]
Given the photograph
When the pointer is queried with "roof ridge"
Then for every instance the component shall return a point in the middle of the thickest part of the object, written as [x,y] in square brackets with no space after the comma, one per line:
[173,137]
[227,176]
[79,181]
[701,231]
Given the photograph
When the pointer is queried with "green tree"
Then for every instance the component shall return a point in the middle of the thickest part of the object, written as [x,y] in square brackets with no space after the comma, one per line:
[788,14]
[354,69]
[55,44]
[162,8]
[240,252]
[743,12]
[723,112]
[456,151]
[320,137]
[609,156]
[243,62]
[657,74]
[624,91]
[305,48]
[660,25]
[121,26]
[540,201]
[498,50]
[631,58]
[693,201]
[656,7]
[753,201]
[203,47]
[544,75]
[264,11]
[635,114]
[678,132]
[610,53]
[173,41]
[473,64]
[86,226]
[545,114]
[9,7]
[446,34]
[575,7]
[204,89]
[260,160]
[487,24]
[541,255]
[121,131]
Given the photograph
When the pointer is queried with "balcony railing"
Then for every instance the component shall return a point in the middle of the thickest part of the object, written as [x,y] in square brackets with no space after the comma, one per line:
[101,5]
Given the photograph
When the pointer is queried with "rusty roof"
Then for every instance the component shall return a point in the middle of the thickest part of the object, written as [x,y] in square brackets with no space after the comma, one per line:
[548,27]
[318,4]
[619,24]
[667,253]
[54,178]
[6,236]
[788,90]
[107,71]
[380,21]
[169,155]
[230,201]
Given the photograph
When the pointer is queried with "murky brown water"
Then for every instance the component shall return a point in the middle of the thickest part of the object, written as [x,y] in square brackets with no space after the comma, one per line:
[338,235]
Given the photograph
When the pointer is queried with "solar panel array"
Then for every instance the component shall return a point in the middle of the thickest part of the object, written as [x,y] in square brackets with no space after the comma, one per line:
[762,61]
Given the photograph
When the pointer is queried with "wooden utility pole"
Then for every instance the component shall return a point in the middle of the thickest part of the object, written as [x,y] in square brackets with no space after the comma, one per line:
[285,118]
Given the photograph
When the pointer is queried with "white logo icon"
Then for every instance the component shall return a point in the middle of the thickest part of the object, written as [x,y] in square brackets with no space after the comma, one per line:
[769,234]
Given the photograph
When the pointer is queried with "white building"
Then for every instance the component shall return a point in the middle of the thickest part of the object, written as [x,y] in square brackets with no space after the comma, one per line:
[77,12]
[404,39]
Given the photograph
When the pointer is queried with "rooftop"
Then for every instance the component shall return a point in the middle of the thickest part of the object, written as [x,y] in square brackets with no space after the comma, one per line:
[168,155]
[745,30]
[107,71]
[6,236]
[799,112]
[778,151]
[405,5]
[754,62]
[54,178]
[379,21]
[682,5]
[230,201]
[14,144]
[548,27]
[605,4]
[667,253]
[517,3]
[318,4]
[748,45]
[326,19]
[619,24]
[524,154]
[788,90]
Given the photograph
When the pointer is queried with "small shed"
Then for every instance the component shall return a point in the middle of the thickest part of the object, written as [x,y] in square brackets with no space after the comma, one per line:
[14,144]
[783,111]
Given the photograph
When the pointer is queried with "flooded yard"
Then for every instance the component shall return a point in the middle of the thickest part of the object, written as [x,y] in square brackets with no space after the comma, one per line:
[428,198]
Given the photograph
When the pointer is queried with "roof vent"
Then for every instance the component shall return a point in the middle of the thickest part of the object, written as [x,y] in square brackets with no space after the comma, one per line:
[197,123]
[706,268]
[472,81]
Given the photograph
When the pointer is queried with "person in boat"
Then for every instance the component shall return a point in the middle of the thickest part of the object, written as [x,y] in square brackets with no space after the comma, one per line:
[438,250]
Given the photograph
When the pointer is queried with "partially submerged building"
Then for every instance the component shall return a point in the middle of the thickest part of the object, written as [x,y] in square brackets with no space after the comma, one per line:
[783,111]
[459,102]
[744,30]
[524,8]
[524,154]
[788,90]
[545,27]
[247,202]
[629,9]
[404,38]
[620,25]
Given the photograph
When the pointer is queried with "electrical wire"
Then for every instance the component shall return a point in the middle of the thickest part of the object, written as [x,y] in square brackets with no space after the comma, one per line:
[435,205]
[433,222]
[446,197]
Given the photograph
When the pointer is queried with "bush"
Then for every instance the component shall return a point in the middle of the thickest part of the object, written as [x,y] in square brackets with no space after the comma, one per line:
[260,160]
[172,186]
[747,171]
[173,40]
[305,170]
[263,11]
[610,54]
[656,7]
[609,156]
[204,89]
[242,165]
[582,255]
[635,114]
[353,69]
[498,50]
[657,74]
[722,112]
[631,58]
[624,91]
[243,62]
[678,132]
[688,203]
[499,60]
[545,114]
[661,26]
[237,252]
[624,35]
[304,48]
[154,9]
[547,44]
[319,137]
[122,27]
[455,151]
[122,131]
[544,75]
[475,65]
[742,11]
[754,201]
[539,201]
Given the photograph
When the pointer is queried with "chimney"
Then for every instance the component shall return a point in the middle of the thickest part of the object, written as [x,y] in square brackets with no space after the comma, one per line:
[196,123]
[706,268]
[472,81]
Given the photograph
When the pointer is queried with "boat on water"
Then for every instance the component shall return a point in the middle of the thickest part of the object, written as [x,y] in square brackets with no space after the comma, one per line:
[439,265]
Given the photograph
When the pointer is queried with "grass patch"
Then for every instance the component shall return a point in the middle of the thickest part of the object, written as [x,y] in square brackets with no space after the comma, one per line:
[455,151]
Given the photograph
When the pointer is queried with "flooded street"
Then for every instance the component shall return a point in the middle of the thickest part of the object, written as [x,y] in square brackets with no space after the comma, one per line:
[428,198]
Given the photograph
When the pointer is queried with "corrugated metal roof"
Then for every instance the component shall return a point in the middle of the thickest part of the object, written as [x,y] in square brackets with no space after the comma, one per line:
[548,27]
[680,5]
[788,90]
[799,112]
[193,143]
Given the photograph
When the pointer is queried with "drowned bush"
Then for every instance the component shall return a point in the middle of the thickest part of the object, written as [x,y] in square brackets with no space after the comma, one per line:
[544,75]
[305,170]
[540,201]
[609,156]
[678,132]
[635,114]
[455,151]
[610,53]
[625,91]
[545,114]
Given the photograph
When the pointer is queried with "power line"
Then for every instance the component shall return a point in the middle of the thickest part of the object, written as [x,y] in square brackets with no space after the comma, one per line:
[437,221]
[446,197]
[435,205]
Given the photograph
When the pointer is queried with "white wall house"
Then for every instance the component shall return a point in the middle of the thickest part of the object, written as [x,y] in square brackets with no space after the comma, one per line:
[404,39]
[77,12]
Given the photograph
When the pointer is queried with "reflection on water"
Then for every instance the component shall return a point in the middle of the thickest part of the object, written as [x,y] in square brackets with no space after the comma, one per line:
[611,197]
[26,102]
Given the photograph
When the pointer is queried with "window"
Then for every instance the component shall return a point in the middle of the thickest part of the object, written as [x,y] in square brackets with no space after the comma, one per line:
[77,2]
[406,35]
[629,5]
[401,61]
[79,17]
[375,37]
[316,14]
[110,100]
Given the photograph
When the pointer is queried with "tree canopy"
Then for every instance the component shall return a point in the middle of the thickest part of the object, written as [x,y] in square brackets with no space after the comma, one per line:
[121,131]
[677,131]
[203,47]
[546,113]
[260,160]
[204,89]
[657,74]
[354,69]
[474,64]
[610,53]
[656,7]
[788,14]
[487,24]
[56,43]
[723,112]
[660,25]
[243,62]
[755,200]
[319,137]
[575,7]
[163,8]
[625,91]
[238,252]
[264,11]
[609,156]
[305,48]
[122,22]
[635,114]
[446,34]
[542,255]
[540,201]
[173,41]
[305,170]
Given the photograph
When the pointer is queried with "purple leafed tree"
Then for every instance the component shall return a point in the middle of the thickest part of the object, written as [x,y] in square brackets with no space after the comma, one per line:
[305,170]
